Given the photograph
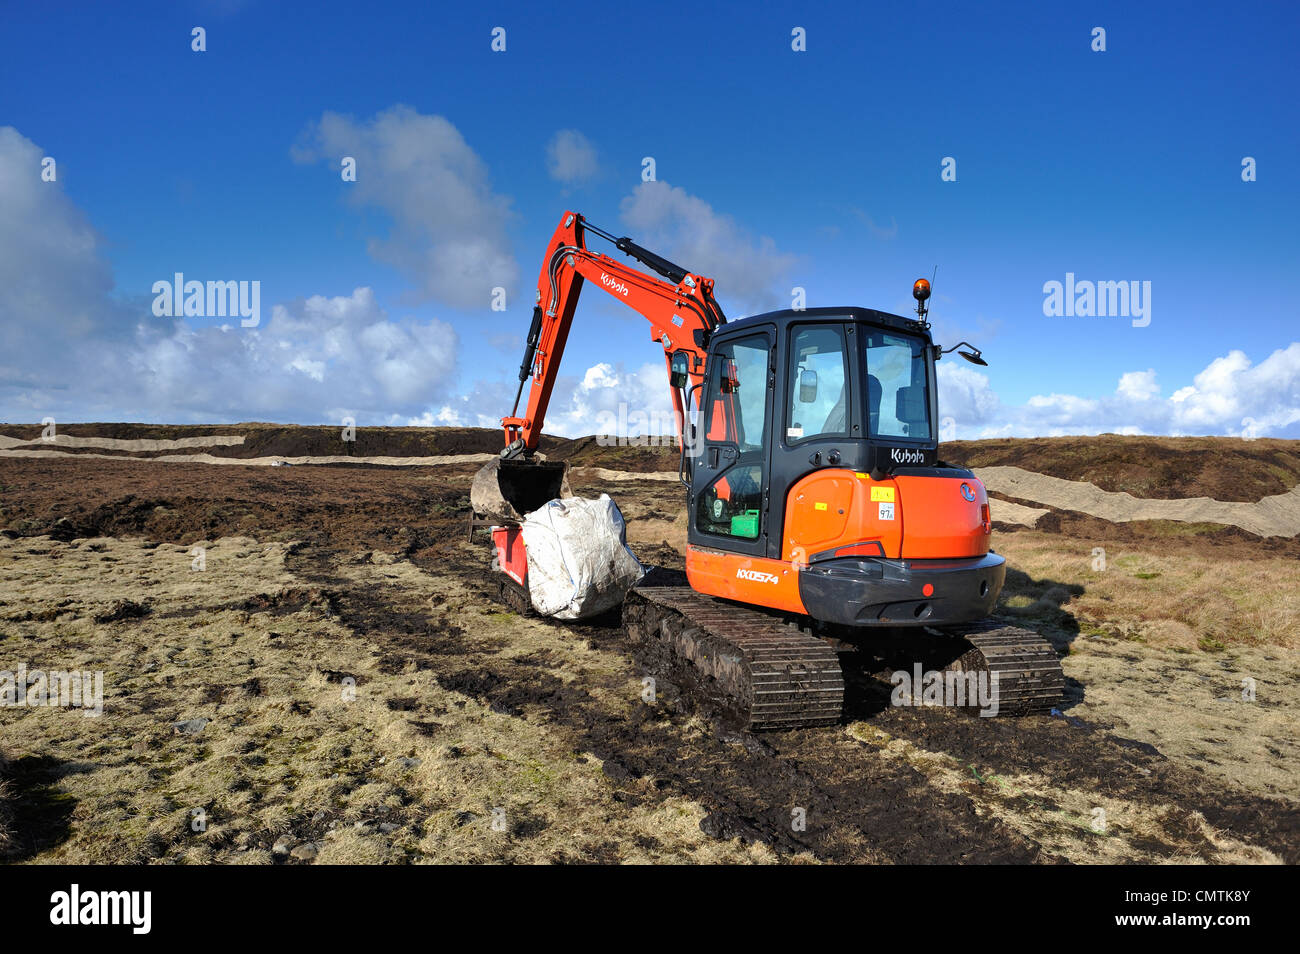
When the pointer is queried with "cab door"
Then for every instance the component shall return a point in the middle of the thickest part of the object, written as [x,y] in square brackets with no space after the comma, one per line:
[729,499]
[818,428]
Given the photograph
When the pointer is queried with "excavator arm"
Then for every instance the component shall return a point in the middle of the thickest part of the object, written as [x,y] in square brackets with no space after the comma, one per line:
[680,308]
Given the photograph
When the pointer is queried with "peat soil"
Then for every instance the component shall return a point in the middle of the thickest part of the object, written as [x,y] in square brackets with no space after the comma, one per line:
[276,440]
[1167,468]
[1157,467]
[860,807]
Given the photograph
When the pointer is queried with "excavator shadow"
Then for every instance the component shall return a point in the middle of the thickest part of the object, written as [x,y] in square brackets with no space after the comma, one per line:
[1039,604]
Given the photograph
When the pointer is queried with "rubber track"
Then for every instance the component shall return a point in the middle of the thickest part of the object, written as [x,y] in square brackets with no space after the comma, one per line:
[513,596]
[1030,677]
[765,673]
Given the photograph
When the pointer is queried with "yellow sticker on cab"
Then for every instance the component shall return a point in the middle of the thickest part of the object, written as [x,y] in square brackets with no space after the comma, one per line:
[883,494]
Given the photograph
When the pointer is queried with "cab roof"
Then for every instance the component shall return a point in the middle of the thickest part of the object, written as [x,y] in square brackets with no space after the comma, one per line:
[844,313]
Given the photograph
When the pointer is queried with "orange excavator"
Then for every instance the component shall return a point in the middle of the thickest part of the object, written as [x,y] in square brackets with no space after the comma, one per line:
[817,505]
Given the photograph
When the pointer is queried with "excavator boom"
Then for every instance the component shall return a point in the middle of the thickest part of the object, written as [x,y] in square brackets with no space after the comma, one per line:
[682,313]
[680,308]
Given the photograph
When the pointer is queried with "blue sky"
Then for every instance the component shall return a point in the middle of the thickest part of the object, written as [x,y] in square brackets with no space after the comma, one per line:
[775,168]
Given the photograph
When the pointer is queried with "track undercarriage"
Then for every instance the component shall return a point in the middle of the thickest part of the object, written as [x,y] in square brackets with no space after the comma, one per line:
[760,672]
[764,672]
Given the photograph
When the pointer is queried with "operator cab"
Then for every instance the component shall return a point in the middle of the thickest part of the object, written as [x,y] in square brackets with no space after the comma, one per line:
[790,392]
[816,431]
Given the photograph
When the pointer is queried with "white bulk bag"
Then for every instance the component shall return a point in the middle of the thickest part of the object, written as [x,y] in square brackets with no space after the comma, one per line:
[578,561]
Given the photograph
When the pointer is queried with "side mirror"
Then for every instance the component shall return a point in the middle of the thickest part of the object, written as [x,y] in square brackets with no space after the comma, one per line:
[973,356]
[807,387]
[909,405]
[677,374]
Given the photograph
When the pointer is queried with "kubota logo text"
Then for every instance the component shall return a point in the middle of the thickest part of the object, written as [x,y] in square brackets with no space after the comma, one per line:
[756,576]
[901,456]
[613,284]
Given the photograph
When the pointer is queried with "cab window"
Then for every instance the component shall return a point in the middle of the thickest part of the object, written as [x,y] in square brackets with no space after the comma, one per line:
[738,394]
[898,392]
[731,505]
[817,384]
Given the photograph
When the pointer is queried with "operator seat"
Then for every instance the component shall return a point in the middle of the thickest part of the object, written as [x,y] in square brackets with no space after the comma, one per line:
[874,391]
[835,420]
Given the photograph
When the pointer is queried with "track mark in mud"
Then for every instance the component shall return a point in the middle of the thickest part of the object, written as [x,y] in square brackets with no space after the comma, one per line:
[291,600]
[514,692]
[856,805]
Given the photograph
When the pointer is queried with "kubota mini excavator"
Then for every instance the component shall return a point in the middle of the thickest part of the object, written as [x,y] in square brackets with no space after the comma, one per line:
[816,500]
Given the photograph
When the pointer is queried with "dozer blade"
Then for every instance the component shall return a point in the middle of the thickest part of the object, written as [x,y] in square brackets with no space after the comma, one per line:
[759,672]
[504,491]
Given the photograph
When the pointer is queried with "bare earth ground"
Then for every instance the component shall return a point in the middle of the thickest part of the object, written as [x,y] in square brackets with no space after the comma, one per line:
[368,702]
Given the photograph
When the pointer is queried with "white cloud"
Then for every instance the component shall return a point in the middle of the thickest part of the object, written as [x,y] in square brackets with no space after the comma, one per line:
[483,406]
[315,359]
[1231,396]
[313,369]
[605,399]
[55,284]
[1231,389]
[570,157]
[965,395]
[72,349]
[449,227]
[889,231]
[1138,385]
[611,399]
[749,272]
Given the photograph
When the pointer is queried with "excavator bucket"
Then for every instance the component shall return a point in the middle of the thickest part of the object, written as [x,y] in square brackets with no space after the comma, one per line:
[504,491]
